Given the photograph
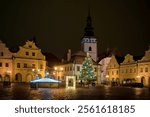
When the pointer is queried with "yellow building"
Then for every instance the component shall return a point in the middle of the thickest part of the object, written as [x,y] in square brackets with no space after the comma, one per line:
[28,62]
[128,69]
[112,71]
[143,74]
[5,63]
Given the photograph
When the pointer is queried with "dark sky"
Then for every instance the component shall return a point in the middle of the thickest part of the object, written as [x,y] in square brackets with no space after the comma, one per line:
[59,24]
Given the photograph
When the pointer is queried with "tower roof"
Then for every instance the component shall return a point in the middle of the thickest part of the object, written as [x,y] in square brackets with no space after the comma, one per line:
[89,28]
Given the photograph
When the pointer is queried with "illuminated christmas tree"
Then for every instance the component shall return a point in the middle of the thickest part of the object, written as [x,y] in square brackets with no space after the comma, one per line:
[87,72]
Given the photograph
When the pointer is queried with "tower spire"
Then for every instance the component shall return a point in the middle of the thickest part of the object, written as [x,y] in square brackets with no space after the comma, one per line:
[89,28]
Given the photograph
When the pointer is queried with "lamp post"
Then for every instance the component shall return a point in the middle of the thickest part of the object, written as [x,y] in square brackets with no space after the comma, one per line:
[107,78]
[35,72]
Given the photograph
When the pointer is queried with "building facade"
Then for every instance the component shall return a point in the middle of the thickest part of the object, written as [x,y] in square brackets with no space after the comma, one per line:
[73,67]
[28,62]
[5,63]
[113,71]
[143,66]
[130,70]
[104,63]
[23,65]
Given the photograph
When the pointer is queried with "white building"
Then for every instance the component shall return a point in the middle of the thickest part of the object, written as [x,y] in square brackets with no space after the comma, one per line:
[73,66]
[104,63]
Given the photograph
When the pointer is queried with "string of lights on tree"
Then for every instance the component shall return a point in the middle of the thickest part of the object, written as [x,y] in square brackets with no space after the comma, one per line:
[87,71]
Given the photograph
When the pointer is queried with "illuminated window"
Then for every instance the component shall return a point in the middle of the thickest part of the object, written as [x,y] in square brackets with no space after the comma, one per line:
[27,53]
[0,64]
[146,69]
[18,65]
[6,65]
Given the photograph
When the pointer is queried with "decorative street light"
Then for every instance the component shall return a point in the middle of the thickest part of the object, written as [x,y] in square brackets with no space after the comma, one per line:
[36,72]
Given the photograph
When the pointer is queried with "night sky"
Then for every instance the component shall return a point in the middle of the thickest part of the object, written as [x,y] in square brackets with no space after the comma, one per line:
[59,24]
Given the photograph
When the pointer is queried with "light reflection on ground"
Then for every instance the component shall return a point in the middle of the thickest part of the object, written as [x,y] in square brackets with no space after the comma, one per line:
[24,92]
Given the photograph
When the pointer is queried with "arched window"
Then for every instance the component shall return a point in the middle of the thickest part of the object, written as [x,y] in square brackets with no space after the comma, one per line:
[90,48]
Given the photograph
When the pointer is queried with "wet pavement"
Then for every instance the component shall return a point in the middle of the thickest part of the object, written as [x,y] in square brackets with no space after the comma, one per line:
[20,91]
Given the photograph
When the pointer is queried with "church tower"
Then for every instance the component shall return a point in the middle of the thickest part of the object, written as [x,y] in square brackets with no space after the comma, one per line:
[89,42]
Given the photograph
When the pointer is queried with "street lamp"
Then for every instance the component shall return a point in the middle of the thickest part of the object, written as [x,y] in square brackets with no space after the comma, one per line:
[35,72]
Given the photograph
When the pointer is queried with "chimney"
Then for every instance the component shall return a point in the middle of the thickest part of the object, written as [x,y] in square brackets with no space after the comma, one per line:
[69,55]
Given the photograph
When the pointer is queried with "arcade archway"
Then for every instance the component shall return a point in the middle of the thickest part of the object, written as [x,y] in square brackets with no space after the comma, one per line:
[18,77]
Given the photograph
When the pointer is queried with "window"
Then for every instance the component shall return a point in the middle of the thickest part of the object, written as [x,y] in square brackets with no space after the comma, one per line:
[2,54]
[70,68]
[30,46]
[78,68]
[41,66]
[112,72]
[18,65]
[33,53]
[130,70]
[90,48]
[33,65]
[25,65]
[126,70]
[0,64]
[27,53]
[134,70]
[117,72]
[141,70]
[146,69]
[6,65]
[95,69]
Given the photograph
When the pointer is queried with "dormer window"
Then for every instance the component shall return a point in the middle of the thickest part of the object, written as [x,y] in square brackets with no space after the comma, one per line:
[30,46]
[33,53]
[27,53]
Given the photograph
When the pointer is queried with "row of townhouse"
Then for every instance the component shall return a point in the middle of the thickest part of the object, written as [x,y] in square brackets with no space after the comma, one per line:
[22,65]
[129,69]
